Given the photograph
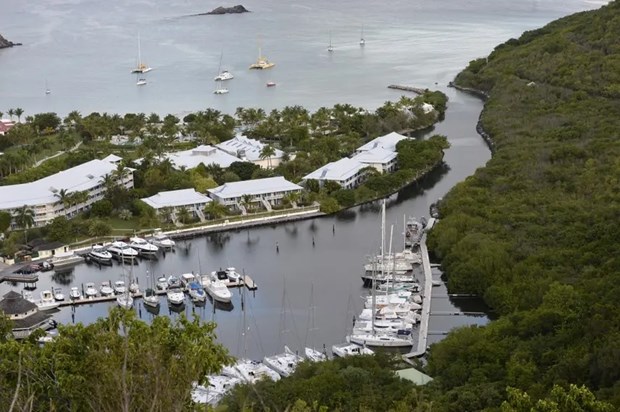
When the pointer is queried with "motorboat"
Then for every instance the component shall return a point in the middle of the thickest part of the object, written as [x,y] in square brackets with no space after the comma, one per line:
[314,355]
[150,298]
[196,292]
[220,90]
[58,295]
[161,240]
[99,254]
[106,289]
[436,282]
[350,349]
[91,290]
[174,282]
[216,289]
[122,251]
[65,260]
[134,288]
[215,389]
[47,301]
[186,279]
[162,283]
[125,300]
[283,363]
[271,84]
[75,293]
[175,296]
[141,82]
[224,75]
[414,230]
[119,287]
[142,246]
[233,275]
[250,371]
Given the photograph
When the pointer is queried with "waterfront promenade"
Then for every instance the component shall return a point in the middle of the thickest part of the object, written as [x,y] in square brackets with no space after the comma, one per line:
[426,304]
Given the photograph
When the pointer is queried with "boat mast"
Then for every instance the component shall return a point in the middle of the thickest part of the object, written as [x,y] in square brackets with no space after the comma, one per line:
[404,232]
[393,260]
[139,53]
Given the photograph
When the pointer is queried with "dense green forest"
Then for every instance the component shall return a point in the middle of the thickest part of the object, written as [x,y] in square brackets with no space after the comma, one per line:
[537,231]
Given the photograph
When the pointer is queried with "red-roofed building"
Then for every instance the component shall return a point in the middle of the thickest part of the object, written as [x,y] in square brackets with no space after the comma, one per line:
[5,125]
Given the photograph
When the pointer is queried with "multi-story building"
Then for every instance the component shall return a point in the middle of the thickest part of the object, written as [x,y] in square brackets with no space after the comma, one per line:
[250,150]
[43,196]
[266,192]
[175,200]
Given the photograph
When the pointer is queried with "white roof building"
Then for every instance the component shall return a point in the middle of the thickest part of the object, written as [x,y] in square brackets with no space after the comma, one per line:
[346,172]
[205,154]
[387,142]
[270,190]
[249,149]
[43,195]
[177,199]
[381,159]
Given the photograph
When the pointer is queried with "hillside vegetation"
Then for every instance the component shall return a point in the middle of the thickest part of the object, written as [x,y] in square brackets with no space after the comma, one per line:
[537,231]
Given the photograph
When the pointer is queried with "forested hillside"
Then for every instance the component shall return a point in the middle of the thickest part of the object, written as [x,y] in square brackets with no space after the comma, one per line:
[537,231]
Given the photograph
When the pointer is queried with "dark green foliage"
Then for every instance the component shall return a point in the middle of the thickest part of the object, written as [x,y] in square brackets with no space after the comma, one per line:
[535,232]
[5,221]
[102,208]
[244,170]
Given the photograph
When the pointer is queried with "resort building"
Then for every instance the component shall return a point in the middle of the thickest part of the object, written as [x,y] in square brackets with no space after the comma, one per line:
[5,126]
[266,192]
[204,154]
[23,314]
[346,172]
[381,159]
[250,150]
[387,142]
[175,200]
[45,196]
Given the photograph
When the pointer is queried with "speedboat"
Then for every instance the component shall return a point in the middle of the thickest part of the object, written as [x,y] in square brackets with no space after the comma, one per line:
[186,279]
[125,300]
[47,301]
[283,363]
[150,298]
[65,260]
[175,296]
[100,255]
[220,91]
[141,81]
[250,371]
[232,275]
[75,293]
[350,349]
[217,289]
[224,75]
[196,292]
[159,239]
[214,391]
[58,295]
[119,287]
[142,246]
[314,355]
[162,283]
[106,289]
[271,84]
[173,282]
[122,251]
[90,291]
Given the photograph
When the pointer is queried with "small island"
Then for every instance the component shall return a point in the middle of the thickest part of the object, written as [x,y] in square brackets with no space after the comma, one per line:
[227,10]
[4,43]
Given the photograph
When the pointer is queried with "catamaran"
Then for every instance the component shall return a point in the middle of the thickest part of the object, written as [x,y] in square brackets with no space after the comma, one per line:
[262,63]
[141,67]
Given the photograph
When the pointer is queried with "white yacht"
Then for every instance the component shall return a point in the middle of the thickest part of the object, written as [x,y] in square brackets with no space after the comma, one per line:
[162,283]
[174,282]
[381,339]
[214,391]
[314,355]
[47,301]
[175,296]
[233,275]
[65,260]
[75,293]
[142,246]
[216,288]
[250,371]
[221,90]
[141,81]
[119,287]
[122,251]
[106,289]
[186,279]
[196,292]
[161,240]
[99,254]
[350,349]
[283,363]
[125,300]
[91,290]
[224,75]
[58,295]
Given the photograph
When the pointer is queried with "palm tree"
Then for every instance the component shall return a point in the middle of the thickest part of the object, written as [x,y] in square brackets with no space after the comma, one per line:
[267,152]
[1,114]
[64,197]
[11,112]
[108,182]
[183,215]
[165,214]
[24,218]
[246,201]
[18,112]
[215,210]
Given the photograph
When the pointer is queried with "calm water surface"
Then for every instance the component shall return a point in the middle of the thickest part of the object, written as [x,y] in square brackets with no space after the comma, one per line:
[84,49]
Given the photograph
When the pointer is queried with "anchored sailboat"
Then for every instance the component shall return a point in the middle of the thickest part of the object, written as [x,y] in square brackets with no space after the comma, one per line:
[362,41]
[219,89]
[262,63]
[223,74]
[141,67]
[330,48]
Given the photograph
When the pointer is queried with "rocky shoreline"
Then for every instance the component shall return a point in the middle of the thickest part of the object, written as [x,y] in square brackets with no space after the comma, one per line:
[479,128]
[226,10]
[4,43]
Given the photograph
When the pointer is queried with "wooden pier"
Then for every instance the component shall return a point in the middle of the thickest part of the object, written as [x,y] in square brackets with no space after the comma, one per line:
[246,281]
[416,90]
[17,277]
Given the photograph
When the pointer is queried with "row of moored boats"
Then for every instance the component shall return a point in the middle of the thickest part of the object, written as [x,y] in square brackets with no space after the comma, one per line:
[131,250]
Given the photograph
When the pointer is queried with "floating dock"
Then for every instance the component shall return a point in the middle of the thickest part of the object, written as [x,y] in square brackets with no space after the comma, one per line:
[416,90]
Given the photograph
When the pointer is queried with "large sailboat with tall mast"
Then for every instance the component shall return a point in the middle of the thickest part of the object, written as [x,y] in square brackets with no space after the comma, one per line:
[261,63]
[223,75]
[141,67]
